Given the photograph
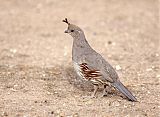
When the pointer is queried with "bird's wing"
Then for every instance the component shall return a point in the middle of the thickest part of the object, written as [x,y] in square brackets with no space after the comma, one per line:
[90,74]
[88,71]
[97,62]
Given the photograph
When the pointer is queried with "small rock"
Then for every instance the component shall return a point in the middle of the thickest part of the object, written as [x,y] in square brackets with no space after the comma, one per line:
[118,67]
[153,67]
[139,74]
[13,90]
[116,103]
[158,76]
[89,102]
[76,115]
[23,116]
[125,106]
[35,101]
[13,50]
[149,69]
[148,92]
[113,43]
[60,114]
[109,42]
[49,93]
[109,55]
[45,101]
[4,114]
[52,112]
[43,75]
[157,55]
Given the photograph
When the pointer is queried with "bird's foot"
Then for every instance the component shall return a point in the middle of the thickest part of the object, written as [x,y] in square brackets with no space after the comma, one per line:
[89,97]
[93,96]
[104,94]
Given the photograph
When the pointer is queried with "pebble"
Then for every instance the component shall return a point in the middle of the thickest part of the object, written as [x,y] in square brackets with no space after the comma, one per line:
[49,93]
[157,55]
[158,76]
[89,102]
[149,69]
[139,74]
[113,43]
[60,114]
[43,75]
[115,103]
[13,50]
[52,112]
[24,116]
[14,90]
[109,42]
[4,114]
[75,115]
[118,67]
[148,92]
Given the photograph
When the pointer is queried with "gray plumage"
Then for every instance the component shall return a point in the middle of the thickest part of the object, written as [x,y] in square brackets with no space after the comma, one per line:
[91,66]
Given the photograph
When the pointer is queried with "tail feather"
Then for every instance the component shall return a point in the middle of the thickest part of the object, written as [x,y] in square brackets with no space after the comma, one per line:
[124,90]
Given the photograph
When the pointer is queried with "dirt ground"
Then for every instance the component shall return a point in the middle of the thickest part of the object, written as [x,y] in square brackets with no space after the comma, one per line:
[36,74]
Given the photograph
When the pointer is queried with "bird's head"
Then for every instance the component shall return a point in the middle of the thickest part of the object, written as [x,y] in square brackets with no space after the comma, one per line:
[72,29]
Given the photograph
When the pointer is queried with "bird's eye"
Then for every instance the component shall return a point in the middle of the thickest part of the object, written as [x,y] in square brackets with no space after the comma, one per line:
[72,30]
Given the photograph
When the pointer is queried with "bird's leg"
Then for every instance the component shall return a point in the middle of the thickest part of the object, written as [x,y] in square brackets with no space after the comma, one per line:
[95,91]
[106,89]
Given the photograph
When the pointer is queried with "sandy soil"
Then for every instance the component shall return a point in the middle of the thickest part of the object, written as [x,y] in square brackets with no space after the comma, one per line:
[36,75]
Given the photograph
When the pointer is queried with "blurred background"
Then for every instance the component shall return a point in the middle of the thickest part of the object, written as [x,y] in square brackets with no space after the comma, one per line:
[35,54]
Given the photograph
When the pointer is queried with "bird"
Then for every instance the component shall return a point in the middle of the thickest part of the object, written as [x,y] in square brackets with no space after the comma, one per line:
[91,66]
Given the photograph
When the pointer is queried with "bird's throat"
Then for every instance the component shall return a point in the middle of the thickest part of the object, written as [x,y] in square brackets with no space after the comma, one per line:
[80,43]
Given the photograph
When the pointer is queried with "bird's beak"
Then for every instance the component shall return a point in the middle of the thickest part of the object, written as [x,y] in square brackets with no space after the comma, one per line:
[66,31]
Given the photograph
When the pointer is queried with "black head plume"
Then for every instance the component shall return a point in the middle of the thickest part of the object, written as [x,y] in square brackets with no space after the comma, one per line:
[66,21]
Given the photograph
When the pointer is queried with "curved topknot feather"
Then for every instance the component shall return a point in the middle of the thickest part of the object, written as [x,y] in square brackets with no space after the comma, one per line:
[66,21]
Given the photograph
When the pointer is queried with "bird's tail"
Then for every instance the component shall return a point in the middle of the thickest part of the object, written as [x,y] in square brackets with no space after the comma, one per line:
[124,90]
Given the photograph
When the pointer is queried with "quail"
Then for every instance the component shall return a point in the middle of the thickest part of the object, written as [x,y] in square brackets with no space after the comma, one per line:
[91,66]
